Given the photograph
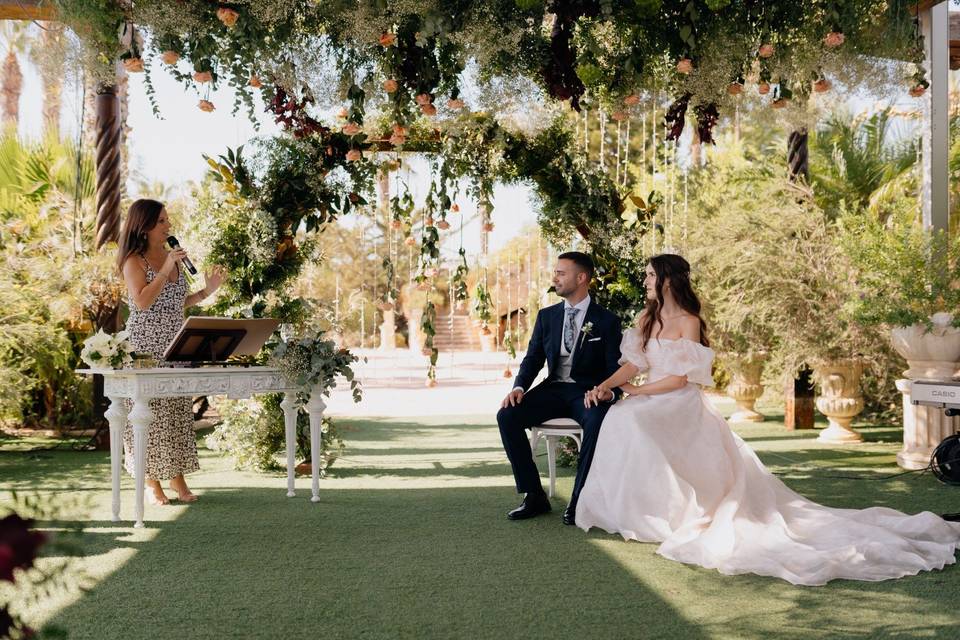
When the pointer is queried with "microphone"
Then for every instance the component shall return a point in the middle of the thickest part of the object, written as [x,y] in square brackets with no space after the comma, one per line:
[175,244]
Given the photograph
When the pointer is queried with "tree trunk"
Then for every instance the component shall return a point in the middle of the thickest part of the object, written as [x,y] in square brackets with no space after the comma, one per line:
[11,86]
[51,73]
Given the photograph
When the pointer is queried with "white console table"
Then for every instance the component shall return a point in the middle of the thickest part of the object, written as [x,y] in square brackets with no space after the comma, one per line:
[142,385]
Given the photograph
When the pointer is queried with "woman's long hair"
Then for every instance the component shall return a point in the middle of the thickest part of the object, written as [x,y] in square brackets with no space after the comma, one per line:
[141,218]
[676,270]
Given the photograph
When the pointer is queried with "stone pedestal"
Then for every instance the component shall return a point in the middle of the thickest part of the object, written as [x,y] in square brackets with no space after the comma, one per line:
[745,387]
[840,399]
[388,340]
[923,429]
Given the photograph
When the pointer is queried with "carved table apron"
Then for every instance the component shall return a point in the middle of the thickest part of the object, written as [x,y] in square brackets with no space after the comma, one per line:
[142,385]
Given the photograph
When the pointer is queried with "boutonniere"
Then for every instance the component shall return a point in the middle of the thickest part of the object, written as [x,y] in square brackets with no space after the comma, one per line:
[587,329]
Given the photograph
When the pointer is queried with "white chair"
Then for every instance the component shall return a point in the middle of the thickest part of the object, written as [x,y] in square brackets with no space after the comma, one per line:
[553,430]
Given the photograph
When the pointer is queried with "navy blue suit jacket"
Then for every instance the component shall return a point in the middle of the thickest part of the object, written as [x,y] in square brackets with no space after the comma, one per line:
[595,355]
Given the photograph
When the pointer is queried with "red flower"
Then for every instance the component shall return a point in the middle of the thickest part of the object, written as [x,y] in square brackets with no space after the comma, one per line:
[18,545]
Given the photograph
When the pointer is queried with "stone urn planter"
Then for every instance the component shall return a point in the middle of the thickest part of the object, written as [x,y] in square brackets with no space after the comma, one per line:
[745,387]
[840,398]
[932,354]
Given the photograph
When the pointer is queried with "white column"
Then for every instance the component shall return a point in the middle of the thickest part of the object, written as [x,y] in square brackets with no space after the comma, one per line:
[935,23]
[315,408]
[116,416]
[140,418]
[289,406]
[923,429]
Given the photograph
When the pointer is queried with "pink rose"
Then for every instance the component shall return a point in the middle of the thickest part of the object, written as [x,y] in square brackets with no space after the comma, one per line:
[685,66]
[400,130]
[766,50]
[410,241]
[833,39]
[206,105]
[763,88]
[343,113]
[431,272]
[202,76]
[390,85]
[352,128]
[353,155]
[631,100]
[620,116]
[822,85]
[133,65]
[388,39]
[396,224]
[397,140]
[255,82]
[917,91]
[428,109]
[455,103]
[443,225]
[227,16]
[170,57]
[735,88]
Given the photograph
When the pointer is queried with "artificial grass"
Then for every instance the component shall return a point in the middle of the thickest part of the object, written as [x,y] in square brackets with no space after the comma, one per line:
[410,541]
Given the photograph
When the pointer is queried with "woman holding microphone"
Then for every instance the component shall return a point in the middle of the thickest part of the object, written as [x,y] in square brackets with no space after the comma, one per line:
[157,296]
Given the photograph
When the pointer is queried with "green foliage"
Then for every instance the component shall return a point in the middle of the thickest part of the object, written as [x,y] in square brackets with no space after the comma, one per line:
[907,273]
[312,363]
[253,433]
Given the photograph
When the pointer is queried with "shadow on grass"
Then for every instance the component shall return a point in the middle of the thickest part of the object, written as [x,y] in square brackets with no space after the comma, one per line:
[437,563]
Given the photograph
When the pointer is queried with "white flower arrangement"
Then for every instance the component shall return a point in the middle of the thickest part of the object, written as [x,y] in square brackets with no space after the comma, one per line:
[105,351]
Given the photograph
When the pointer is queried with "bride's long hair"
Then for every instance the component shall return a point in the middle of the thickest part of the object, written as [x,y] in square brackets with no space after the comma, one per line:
[675,269]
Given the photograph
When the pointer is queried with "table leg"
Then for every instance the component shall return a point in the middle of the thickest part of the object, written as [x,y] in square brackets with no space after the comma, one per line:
[289,406]
[140,418]
[315,408]
[116,416]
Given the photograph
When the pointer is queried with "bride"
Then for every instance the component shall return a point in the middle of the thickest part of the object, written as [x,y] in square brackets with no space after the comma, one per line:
[668,469]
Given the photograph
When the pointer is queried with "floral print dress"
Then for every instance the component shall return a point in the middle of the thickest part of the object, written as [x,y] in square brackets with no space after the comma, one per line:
[171,444]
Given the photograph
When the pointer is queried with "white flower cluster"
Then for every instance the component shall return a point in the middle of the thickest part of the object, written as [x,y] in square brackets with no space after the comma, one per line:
[105,351]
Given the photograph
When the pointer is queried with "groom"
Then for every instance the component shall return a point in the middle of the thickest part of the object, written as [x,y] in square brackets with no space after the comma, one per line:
[580,342]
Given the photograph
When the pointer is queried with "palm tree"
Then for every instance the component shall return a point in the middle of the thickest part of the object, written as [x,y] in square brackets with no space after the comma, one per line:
[861,162]
[48,54]
[14,34]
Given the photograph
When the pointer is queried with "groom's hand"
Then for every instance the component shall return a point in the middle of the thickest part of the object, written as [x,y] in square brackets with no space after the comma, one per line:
[597,395]
[513,398]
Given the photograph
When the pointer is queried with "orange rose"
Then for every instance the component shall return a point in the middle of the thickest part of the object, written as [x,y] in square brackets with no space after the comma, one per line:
[255,82]
[410,241]
[133,65]
[428,109]
[766,50]
[396,224]
[685,66]
[400,130]
[430,383]
[170,57]
[833,39]
[227,16]
[390,85]
[443,225]
[488,226]
[455,207]
[918,91]
[735,88]
[352,128]
[397,140]
[455,104]
[343,113]
[354,154]
[202,76]
[763,88]
[206,105]
[507,373]
[388,39]
[631,100]
[822,85]
[424,98]
[779,103]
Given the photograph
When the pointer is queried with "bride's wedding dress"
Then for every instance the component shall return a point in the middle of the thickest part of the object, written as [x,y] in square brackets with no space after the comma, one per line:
[668,469]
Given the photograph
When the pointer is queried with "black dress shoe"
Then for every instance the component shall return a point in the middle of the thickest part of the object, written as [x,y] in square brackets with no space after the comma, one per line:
[532,505]
[570,515]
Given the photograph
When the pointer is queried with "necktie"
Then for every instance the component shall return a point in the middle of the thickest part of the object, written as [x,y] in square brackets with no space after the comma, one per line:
[570,328]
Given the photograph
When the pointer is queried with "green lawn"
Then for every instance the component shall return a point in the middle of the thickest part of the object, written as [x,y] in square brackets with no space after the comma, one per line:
[410,540]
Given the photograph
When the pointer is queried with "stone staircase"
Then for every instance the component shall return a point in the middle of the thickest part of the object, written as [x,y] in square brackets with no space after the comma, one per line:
[463,336]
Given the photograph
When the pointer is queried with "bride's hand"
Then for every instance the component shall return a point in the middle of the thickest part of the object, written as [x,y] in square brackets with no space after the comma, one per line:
[597,395]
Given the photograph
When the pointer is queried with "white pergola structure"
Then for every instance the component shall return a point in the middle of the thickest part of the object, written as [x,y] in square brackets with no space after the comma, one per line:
[941,38]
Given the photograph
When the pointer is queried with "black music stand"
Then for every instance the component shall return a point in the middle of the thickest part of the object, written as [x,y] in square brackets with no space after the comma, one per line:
[204,345]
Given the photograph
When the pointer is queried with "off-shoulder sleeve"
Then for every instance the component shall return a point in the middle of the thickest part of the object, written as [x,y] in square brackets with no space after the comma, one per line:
[691,359]
[631,351]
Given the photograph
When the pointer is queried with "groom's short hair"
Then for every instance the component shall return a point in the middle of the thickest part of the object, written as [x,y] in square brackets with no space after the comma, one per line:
[580,259]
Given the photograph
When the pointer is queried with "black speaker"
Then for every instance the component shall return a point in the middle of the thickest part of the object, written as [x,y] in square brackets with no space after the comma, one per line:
[945,460]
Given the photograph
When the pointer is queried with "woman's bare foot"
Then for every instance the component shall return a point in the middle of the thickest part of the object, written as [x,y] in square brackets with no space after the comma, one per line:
[184,494]
[155,494]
